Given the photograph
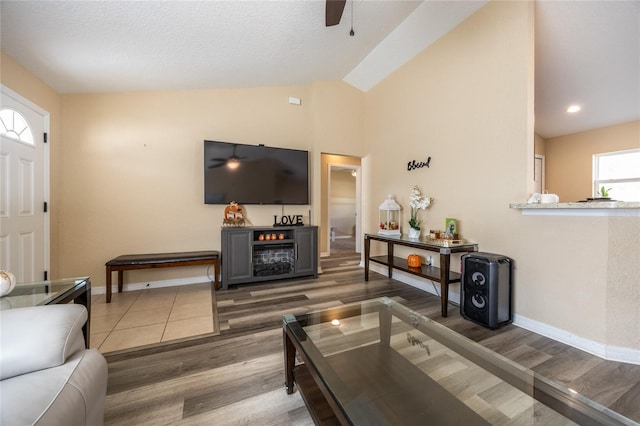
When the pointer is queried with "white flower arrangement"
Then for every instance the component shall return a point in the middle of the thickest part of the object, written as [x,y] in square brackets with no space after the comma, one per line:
[417,202]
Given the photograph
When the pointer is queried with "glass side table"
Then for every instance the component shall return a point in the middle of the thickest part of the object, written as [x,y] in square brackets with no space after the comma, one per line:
[52,292]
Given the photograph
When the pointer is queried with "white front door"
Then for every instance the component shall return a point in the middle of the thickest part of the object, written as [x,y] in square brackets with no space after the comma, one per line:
[24,228]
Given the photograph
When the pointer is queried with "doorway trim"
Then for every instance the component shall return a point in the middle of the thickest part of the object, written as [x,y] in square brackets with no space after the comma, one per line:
[46,116]
[539,172]
[358,196]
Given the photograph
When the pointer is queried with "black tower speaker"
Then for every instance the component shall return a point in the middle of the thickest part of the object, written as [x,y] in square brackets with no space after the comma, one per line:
[486,289]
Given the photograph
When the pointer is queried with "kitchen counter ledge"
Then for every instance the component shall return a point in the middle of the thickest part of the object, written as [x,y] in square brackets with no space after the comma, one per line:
[591,208]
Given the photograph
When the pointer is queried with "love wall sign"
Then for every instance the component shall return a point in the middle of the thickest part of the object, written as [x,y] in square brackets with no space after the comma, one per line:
[412,165]
[288,220]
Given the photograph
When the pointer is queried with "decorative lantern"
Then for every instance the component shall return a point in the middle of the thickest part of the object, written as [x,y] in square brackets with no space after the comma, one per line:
[389,213]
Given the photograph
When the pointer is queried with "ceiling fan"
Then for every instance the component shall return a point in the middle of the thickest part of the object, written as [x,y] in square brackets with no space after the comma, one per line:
[333,12]
[233,162]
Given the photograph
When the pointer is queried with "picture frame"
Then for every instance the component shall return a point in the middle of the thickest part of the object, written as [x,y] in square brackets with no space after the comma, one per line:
[451,226]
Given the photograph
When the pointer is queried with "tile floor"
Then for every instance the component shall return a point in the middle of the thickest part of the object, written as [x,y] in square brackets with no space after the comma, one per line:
[144,317]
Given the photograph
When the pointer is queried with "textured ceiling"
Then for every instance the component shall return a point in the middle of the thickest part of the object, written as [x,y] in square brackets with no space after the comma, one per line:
[587,52]
[87,46]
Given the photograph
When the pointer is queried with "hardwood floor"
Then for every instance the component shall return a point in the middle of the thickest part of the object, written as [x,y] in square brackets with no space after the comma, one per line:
[237,377]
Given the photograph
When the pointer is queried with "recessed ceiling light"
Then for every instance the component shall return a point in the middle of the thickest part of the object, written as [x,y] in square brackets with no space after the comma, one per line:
[573,108]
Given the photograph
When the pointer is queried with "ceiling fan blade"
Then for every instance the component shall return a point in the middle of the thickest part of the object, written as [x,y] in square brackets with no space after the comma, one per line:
[333,12]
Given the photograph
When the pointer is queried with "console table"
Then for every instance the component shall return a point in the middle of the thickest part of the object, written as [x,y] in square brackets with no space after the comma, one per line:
[440,275]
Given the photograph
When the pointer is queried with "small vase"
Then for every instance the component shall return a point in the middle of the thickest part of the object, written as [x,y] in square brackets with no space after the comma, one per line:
[414,233]
[7,282]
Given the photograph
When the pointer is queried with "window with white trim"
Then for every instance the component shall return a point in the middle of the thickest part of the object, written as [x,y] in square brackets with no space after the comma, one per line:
[14,126]
[618,173]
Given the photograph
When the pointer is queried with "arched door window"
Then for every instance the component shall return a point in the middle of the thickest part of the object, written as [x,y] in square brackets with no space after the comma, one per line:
[14,126]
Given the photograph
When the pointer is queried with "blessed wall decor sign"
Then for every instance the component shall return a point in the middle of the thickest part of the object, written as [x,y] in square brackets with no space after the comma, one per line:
[412,165]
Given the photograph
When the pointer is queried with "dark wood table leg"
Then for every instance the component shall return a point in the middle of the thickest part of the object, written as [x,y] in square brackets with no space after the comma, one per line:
[384,318]
[367,252]
[216,270]
[445,260]
[390,259]
[85,299]
[289,361]
[108,284]
[120,280]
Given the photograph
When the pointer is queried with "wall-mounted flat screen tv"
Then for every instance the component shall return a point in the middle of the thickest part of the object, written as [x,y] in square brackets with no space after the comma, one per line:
[254,174]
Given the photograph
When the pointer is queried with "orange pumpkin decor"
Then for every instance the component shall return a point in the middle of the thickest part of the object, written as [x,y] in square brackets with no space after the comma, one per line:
[414,261]
[233,215]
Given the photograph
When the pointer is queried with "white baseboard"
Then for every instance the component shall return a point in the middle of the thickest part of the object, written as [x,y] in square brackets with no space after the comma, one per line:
[151,284]
[622,354]
[608,352]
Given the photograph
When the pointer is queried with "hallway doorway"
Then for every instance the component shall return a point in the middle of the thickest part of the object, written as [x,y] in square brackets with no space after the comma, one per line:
[341,224]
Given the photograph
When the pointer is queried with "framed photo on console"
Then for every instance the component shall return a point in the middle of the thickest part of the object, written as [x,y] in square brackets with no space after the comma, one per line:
[451,226]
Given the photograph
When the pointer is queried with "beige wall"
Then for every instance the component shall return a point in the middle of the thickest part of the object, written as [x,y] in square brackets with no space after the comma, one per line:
[540,145]
[338,118]
[343,184]
[623,278]
[342,206]
[136,184]
[569,159]
[20,80]
[134,180]
[467,101]
[338,122]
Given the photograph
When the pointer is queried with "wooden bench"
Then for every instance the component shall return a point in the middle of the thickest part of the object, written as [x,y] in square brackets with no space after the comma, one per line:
[130,262]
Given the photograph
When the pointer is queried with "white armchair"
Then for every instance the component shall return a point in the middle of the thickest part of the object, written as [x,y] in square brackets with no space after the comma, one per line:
[46,374]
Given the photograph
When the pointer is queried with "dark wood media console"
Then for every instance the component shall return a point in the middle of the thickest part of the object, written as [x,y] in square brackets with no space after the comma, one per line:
[256,254]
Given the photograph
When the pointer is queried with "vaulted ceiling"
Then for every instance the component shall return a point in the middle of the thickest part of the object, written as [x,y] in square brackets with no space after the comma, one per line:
[586,52]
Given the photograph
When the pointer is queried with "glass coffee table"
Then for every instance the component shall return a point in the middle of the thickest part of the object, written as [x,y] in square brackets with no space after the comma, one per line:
[379,363]
[52,292]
